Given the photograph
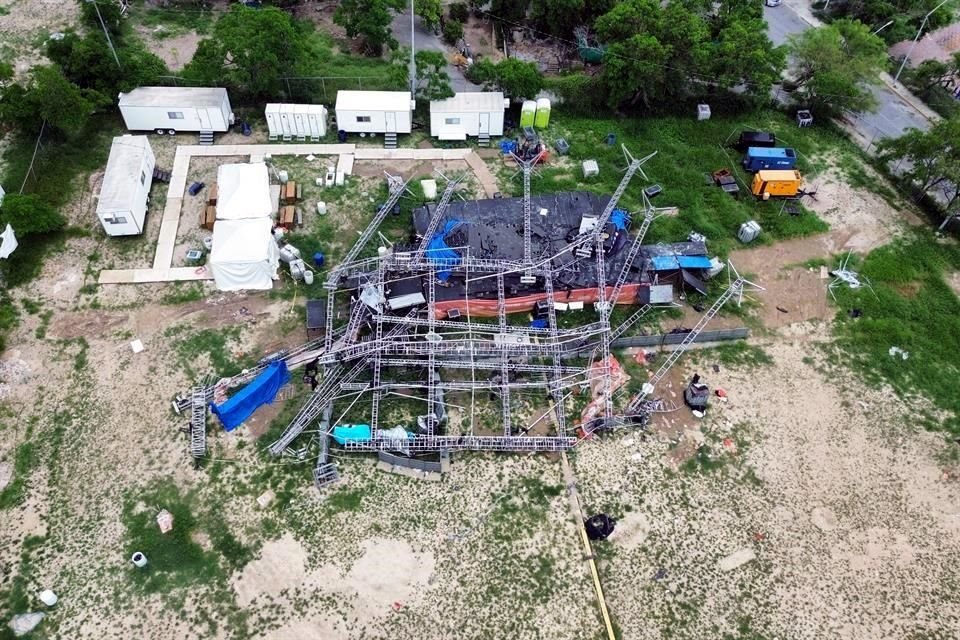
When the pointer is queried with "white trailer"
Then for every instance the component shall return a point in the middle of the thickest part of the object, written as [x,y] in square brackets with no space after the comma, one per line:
[468,114]
[122,204]
[374,111]
[173,109]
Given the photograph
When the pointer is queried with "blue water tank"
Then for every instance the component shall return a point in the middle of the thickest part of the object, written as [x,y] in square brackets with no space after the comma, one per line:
[318,259]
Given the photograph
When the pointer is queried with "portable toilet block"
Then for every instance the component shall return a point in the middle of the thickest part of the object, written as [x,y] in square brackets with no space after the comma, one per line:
[542,118]
[749,231]
[300,120]
[272,113]
[528,113]
[287,127]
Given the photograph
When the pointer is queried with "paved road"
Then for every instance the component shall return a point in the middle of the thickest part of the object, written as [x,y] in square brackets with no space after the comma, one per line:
[427,40]
[894,114]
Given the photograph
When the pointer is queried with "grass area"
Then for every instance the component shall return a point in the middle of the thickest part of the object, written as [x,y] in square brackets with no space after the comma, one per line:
[739,354]
[25,458]
[688,149]
[214,344]
[909,306]
[177,558]
[176,20]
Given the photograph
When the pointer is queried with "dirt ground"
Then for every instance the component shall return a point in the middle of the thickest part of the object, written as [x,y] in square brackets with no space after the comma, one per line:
[23,29]
[175,50]
[849,510]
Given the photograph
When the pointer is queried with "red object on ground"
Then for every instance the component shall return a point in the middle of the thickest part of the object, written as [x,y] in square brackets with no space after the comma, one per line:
[489,308]
[397,606]
[721,393]
[759,536]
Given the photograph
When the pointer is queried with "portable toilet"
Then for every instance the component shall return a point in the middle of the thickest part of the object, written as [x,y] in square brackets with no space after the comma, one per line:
[528,113]
[542,118]
[272,113]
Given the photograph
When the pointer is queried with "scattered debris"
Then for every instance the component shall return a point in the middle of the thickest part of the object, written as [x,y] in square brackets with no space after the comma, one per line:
[844,275]
[897,351]
[737,559]
[25,622]
[660,574]
[782,310]
[48,597]
[599,526]
[265,498]
[137,345]
[139,560]
[165,521]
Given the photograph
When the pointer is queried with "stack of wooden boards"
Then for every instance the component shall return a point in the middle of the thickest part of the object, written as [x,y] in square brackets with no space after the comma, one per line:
[208,215]
[290,194]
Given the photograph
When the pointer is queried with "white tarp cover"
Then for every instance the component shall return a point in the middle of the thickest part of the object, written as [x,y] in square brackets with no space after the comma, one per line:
[244,254]
[8,242]
[243,191]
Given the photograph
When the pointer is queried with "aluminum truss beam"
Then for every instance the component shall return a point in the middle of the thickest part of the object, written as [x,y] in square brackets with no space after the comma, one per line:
[464,443]
[438,214]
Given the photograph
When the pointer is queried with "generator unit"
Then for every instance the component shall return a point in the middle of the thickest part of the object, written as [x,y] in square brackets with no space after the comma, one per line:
[760,158]
[776,184]
[749,139]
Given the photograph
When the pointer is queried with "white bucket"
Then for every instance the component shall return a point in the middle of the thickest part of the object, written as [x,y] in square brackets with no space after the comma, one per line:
[48,597]
[139,560]
[308,277]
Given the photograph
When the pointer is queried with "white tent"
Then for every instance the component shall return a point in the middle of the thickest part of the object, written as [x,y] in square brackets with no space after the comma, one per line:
[243,191]
[244,254]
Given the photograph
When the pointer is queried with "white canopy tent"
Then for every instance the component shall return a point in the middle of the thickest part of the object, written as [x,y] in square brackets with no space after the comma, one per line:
[244,254]
[243,191]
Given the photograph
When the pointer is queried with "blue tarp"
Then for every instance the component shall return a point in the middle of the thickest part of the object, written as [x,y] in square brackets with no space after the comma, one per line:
[439,253]
[507,147]
[620,218]
[351,431]
[674,262]
[694,262]
[539,323]
[261,390]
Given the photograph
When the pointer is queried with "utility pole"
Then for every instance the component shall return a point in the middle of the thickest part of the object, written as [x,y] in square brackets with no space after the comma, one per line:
[413,60]
[106,33]
[896,78]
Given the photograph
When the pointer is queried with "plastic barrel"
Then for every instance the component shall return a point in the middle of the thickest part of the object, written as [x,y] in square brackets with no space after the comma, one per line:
[528,113]
[542,118]
[318,259]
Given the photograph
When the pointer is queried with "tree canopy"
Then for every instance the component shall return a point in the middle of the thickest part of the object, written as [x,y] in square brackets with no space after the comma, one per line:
[905,14]
[47,97]
[433,81]
[430,11]
[836,64]
[659,53]
[932,157]
[516,78]
[370,21]
[29,215]
[251,51]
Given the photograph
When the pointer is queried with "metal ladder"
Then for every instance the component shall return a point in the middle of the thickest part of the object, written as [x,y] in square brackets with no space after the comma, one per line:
[198,422]
[504,362]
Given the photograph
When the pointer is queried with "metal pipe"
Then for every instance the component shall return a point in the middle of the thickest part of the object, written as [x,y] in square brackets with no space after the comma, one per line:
[896,78]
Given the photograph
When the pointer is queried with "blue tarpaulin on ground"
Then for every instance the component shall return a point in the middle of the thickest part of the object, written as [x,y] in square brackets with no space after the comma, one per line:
[351,432]
[620,218]
[261,390]
[439,253]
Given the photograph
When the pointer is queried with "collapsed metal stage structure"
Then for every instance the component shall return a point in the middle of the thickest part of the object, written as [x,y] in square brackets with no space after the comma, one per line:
[385,336]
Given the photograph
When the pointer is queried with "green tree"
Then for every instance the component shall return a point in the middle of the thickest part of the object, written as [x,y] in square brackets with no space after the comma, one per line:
[369,20]
[452,31]
[511,10]
[29,215]
[459,12]
[517,79]
[433,81]
[47,97]
[906,15]
[558,17]
[836,63]
[744,55]
[430,11]
[108,10]
[88,63]
[932,157]
[250,51]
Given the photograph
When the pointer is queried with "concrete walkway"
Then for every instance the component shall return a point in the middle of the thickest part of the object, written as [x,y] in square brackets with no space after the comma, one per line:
[162,270]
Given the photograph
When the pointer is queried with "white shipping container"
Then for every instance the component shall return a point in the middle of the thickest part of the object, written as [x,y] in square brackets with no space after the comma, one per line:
[122,203]
[176,109]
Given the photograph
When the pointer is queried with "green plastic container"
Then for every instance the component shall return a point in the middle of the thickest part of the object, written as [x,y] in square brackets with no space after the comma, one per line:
[528,113]
[542,118]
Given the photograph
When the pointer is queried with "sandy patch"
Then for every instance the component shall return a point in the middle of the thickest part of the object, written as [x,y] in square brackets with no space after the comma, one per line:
[175,50]
[388,572]
[281,566]
[953,280]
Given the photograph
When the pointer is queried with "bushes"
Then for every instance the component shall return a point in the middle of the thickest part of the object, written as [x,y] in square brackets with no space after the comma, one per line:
[452,31]
[459,12]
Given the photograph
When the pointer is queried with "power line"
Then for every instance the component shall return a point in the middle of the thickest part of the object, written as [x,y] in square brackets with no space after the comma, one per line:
[36,147]
[106,32]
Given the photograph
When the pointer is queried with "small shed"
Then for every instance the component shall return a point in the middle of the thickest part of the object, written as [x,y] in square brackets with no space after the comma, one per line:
[374,111]
[122,204]
[468,114]
[173,109]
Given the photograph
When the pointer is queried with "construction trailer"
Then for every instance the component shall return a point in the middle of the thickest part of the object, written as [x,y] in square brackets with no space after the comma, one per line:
[478,114]
[122,204]
[777,158]
[374,111]
[176,109]
[296,121]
